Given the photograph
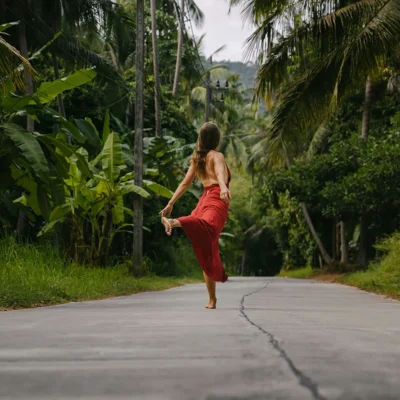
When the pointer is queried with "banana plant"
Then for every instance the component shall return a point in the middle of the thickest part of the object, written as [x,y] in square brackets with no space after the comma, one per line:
[94,195]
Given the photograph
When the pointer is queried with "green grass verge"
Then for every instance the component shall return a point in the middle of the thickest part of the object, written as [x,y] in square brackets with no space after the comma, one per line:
[32,275]
[301,273]
[382,276]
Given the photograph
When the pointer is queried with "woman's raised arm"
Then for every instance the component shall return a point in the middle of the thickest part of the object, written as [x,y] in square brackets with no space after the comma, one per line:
[184,185]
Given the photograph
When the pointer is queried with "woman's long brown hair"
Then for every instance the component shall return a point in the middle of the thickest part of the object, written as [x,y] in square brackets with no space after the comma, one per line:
[209,139]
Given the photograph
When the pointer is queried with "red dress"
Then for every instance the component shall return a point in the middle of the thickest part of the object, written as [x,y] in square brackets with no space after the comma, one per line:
[203,228]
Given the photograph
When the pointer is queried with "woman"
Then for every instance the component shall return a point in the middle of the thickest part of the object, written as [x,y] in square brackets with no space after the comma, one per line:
[205,224]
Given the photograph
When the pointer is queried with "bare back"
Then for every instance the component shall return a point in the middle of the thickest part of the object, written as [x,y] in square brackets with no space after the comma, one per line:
[211,178]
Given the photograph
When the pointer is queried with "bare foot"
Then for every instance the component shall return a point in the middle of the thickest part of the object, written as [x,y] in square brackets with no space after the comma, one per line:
[167,225]
[212,305]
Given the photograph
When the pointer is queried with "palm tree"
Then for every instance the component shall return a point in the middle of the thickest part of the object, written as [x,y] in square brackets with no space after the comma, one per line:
[137,254]
[157,83]
[349,41]
[195,14]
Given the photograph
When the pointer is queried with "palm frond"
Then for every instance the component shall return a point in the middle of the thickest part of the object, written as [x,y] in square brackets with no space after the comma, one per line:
[195,13]
[11,67]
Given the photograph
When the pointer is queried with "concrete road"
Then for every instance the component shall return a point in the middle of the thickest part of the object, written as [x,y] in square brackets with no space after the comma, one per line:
[269,339]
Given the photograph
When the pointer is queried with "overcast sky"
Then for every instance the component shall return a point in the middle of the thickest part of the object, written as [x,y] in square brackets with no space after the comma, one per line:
[223,29]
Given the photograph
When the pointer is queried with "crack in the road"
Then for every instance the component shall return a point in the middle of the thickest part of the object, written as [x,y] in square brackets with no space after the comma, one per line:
[304,380]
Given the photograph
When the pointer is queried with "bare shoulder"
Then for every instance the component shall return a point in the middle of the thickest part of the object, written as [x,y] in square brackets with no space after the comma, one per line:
[216,156]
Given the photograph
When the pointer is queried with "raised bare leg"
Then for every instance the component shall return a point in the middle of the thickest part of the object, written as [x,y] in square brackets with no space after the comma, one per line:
[170,224]
[212,304]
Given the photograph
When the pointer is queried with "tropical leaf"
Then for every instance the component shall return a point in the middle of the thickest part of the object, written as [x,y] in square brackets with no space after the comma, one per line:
[112,161]
[89,130]
[48,91]
[50,225]
[67,151]
[130,187]
[158,189]
[106,127]
[30,148]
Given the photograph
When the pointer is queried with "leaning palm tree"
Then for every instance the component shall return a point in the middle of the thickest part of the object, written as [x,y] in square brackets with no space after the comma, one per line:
[198,17]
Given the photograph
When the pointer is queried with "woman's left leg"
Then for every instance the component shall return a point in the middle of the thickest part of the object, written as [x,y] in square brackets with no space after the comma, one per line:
[211,287]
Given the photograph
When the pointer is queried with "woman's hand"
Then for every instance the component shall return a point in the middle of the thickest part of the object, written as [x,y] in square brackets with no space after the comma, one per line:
[225,195]
[167,210]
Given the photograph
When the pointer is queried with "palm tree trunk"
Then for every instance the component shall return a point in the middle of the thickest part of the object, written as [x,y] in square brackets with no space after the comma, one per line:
[367,110]
[137,254]
[60,100]
[343,243]
[157,84]
[180,46]
[326,257]
[30,123]
[362,258]
[334,239]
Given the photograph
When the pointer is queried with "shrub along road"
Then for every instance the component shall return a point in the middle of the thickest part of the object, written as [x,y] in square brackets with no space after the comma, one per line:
[270,338]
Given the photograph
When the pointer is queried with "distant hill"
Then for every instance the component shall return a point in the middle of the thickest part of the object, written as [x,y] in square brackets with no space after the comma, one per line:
[247,71]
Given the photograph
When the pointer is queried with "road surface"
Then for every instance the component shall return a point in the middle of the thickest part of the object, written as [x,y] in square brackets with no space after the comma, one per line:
[270,338]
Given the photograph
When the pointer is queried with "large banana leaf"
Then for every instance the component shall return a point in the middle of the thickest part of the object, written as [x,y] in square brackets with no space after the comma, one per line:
[67,151]
[48,91]
[130,187]
[24,180]
[158,189]
[106,127]
[89,130]
[112,159]
[29,147]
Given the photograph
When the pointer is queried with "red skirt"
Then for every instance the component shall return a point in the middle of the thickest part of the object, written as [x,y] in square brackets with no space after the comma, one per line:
[203,228]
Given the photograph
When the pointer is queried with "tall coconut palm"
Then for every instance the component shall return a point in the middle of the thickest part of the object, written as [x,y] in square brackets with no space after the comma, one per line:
[198,17]
[157,83]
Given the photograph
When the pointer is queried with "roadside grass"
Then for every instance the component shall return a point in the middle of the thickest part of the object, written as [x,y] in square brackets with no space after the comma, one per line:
[34,275]
[382,276]
[301,273]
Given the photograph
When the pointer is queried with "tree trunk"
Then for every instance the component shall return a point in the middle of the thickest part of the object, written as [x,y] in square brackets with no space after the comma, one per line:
[30,123]
[157,84]
[334,241]
[367,110]
[326,257]
[362,258]
[137,254]
[180,46]
[243,264]
[343,243]
[60,100]
[105,237]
